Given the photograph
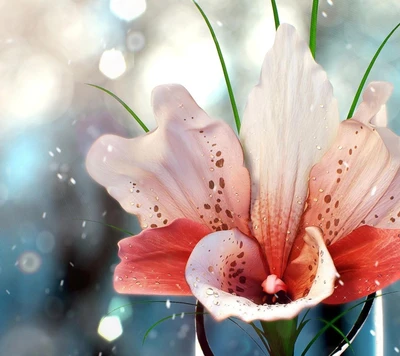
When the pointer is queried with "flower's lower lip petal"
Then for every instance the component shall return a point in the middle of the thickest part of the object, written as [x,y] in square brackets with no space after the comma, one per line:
[212,281]
[154,261]
[290,121]
[191,167]
[367,260]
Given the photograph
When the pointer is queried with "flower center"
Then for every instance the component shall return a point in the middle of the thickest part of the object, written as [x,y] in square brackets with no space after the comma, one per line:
[275,290]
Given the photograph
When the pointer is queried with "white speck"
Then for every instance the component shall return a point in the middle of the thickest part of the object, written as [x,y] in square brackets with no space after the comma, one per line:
[396,349]
[13,247]
[44,215]
[340,147]
[372,89]
[8,292]
[372,332]
[71,264]
[168,304]
[84,223]
[376,263]
[324,14]
[330,2]
[59,176]
[83,236]
[182,315]
[61,283]
[220,24]
[51,154]
[58,149]
[377,283]
[209,291]
[104,213]
[318,147]
[72,180]
[341,282]
[109,148]
[337,275]
[373,190]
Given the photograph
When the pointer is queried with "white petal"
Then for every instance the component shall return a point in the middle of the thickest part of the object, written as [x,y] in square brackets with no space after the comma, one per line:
[290,121]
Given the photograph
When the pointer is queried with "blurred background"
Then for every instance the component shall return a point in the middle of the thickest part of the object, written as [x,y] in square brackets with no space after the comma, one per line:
[56,254]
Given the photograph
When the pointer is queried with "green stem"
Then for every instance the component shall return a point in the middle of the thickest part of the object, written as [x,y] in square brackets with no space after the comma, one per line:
[313,27]
[281,336]
[276,15]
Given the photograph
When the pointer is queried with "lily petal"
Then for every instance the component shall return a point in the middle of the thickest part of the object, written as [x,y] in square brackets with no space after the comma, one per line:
[190,166]
[348,182]
[290,121]
[154,261]
[229,262]
[367,260]
[314,259]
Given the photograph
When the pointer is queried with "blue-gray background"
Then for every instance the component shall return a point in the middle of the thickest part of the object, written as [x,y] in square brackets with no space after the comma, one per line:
[56,266]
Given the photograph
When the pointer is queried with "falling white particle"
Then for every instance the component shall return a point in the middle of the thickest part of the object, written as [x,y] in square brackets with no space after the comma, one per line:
[220,24]
[61,283]
[51,154]
[8,292]
[182,315]
[59,176]
[71,264]
[168,304]
[396,349]
[84,223]
[324,14]
[377,283]
[72,180]
[341,282]
[83,236]
[372,332]
[173,316]
[44,215]
[58,149]
[330,2]
[13,247]
[109,148]
[376,263]
[373,89]
[104,213]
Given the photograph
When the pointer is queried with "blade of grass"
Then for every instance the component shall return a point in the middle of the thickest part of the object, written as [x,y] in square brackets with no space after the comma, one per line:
[108,225]
[366,74]
[362,318]
[225,71]
[313,27]
[340,332]
[322,330]
[127,108]
[159,322]
[251,337]
[276,15]
[261,336]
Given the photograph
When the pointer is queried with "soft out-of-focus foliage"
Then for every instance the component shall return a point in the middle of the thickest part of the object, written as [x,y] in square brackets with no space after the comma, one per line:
[55,267]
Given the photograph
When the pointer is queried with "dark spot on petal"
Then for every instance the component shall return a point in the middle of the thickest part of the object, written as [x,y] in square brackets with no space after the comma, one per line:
[207,206]
[220,163]
[240,255]
[211,184]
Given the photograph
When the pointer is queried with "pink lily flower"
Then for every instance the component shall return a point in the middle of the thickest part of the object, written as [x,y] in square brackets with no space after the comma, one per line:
[312,215]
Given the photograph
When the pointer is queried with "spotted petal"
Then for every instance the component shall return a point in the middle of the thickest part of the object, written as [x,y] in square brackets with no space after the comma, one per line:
[290,121]
[154,261]
[367,260]
[225,272]
[190,166]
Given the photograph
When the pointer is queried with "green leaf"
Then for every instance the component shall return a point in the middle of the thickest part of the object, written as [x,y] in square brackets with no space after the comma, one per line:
[366,74]
[222,61]
[313,27]
[340,332]
[109,225]
[128,109]
[276,15]
[251,337]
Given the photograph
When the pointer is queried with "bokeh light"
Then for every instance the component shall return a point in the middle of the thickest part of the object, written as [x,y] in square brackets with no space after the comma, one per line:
[110,328]
[112,63]
[127,10]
